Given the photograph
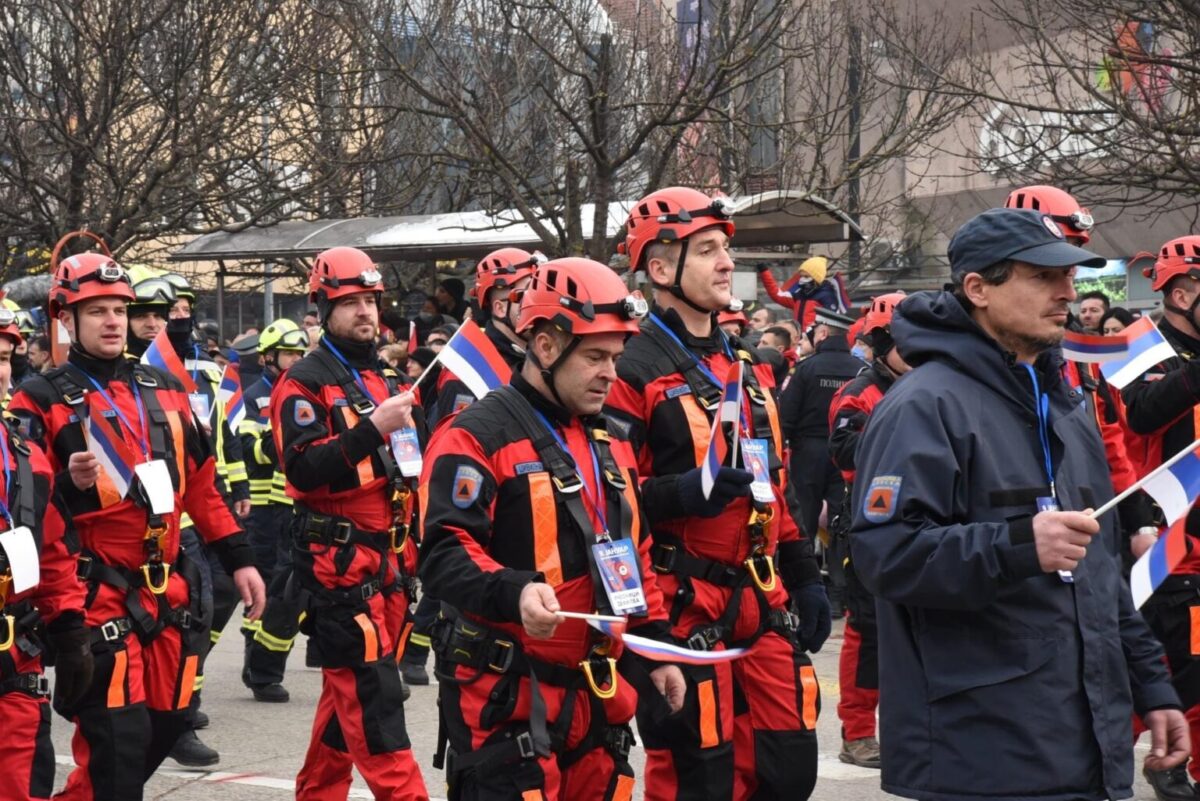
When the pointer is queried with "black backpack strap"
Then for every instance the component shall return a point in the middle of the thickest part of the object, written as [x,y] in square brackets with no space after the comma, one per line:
[685,363]
[23,510]
[148,385]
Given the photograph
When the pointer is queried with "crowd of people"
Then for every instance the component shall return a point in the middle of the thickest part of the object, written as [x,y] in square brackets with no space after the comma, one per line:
[924,467]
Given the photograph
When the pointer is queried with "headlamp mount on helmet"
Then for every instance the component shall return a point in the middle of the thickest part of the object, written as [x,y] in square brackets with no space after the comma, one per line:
[367,279]
[631,307]
[7,317]
[1080,220]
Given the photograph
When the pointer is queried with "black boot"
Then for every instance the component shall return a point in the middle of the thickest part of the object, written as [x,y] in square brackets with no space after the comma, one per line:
[192,753]
[1172,784]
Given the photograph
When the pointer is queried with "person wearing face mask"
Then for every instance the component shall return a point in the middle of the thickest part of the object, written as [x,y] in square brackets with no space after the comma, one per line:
[858,661]
[347,431]
[143,607]
[808,291]
[19,363]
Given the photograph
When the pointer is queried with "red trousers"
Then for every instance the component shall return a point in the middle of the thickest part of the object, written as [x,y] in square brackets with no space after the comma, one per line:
[748,727]
[27,756]
[858,674]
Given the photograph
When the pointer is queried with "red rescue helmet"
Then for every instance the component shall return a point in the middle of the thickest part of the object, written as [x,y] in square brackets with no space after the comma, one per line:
[879,315]
[9,327]
[581,297]
[671,215]
[500,269]
[1060,206]
[341,272]
[85,276]
[1180,256]
[738,317]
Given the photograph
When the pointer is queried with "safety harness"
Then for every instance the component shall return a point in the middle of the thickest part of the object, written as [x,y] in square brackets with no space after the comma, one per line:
[668,553]
[458,641]
[332,531]
[19,622]
[155,573]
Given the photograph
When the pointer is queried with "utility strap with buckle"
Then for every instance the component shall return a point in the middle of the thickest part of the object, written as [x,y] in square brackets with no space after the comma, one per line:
[672,558]
[34,684]
[112,631]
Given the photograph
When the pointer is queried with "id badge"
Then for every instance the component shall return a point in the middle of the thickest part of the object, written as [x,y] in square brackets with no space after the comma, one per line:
[156,483]
[1048,504]
[754,456]
[617,562]
[201,405]
[406,450]
[22,552]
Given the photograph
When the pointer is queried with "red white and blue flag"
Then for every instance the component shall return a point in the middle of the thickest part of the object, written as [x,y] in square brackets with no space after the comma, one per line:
[1157,563]
[668,652]
[1177,487]
[229,396]
[1146,348]
[161,354]
[474,360]
[1091,349]
[610,625]
[114,455]
[729,411]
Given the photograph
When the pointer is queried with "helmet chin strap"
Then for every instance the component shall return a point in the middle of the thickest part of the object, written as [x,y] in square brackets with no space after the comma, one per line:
[676,288]
[1189,312]
[547,371]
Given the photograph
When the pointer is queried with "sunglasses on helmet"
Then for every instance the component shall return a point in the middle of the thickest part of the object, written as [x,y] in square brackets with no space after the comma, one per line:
[293,340]
[155,290]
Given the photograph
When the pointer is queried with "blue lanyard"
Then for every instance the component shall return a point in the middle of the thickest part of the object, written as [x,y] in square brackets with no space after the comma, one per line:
[137,396]
[196,365]
[7,479]
[357,378]
[596,504]
[704,367]
[1042,402]
[267,381]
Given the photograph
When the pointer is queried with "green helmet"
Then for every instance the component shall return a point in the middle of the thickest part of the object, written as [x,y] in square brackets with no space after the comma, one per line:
[282,335]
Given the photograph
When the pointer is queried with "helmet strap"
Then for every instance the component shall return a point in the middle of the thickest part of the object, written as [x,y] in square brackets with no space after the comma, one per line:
[547,371]
[676,288]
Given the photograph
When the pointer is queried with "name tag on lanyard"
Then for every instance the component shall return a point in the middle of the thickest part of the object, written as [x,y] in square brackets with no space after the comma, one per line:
[754,456]
[617,563]
[156,483]
[1048,504]
[21,549]
[406,450]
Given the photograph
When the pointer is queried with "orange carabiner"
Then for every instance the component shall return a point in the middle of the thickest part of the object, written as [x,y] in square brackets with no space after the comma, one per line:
[602,693]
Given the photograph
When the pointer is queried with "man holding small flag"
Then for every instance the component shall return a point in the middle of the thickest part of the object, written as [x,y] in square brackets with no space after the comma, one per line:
[530,508]
[1161,400]
[1012,654]
[732,559]
[141,465]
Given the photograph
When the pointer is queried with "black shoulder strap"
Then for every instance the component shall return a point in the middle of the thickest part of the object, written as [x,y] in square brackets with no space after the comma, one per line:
[159,425]
[686,364]
[361,404]
[23,509]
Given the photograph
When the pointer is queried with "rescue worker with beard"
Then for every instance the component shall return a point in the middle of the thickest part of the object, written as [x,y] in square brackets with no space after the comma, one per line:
[142,604]
[347,438]
[530,508]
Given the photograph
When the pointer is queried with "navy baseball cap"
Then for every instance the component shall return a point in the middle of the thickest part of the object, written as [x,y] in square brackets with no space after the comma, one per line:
[1018,234]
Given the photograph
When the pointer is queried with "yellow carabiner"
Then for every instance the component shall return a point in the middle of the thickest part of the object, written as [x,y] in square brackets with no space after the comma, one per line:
[10,623]
[752,567]
[602,694]
[403,539]
[166,577]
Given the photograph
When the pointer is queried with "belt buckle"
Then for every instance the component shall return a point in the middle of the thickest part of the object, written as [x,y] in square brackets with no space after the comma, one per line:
[524,743]
[666,566]
[363,407]
[767,584]
[110,631]
[42,686]
[160,588]
[341,526]
[709,405]
[600,692]
[506,657]
[10,626]
[83,568]
[564,487]
[369,590]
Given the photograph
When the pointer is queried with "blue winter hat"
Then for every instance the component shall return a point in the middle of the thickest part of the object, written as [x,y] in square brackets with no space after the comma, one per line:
[1018,234]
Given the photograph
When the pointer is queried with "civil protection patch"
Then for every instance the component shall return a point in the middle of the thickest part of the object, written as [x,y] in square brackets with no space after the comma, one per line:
[882,496]
[467,483]
[303,413]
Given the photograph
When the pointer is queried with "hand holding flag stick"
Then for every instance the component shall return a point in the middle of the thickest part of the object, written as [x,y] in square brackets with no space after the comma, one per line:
[1155,478]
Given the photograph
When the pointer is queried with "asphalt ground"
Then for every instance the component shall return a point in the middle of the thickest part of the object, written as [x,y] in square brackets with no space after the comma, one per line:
[262,745]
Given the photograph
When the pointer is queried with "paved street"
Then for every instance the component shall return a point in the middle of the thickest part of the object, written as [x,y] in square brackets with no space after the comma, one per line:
[262,745]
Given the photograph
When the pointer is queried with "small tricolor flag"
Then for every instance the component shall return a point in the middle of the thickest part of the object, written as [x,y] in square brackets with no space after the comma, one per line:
[1157,563]
[611,625]
[729,411]
[229,396]
[1090,349]
[161,354]
[412,336]
[668,652]
[474,360]
[1176,488]
[114,455]
[1146,348]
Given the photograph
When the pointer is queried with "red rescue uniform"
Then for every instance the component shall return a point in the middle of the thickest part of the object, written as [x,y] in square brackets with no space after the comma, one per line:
[142,606]
[353,556]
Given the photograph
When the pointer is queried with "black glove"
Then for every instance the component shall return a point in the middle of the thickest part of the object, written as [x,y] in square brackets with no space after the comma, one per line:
[728,485]
[812,607]
[72,665]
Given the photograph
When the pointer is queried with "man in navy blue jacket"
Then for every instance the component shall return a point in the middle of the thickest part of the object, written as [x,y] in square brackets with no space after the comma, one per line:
[1011,654]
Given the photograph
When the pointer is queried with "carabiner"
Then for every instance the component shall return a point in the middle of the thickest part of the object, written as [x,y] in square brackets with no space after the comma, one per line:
[10,637]
[752,568]
[166,577]
[602,694]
